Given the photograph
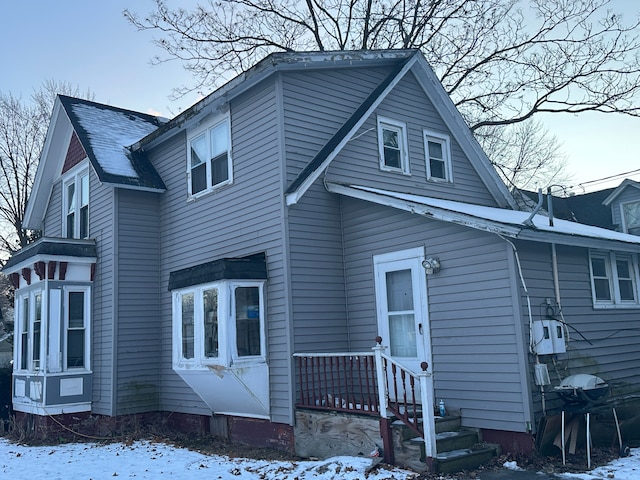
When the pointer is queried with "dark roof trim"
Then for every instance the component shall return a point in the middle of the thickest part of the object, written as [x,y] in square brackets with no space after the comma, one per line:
[344,130]
[53,248]
[253,267]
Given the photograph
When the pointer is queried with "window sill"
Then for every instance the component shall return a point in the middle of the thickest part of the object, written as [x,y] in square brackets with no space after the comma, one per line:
[613,306]
[210,191]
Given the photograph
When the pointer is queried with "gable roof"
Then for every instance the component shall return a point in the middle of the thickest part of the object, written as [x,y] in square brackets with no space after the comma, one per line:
[587,208]
[105,133]
[509,223]
[626,183]
[399,63]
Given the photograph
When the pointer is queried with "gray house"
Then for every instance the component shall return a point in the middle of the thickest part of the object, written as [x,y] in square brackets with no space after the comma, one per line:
[321,234]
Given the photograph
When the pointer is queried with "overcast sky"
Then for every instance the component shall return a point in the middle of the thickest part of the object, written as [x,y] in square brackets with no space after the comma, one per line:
[90,44]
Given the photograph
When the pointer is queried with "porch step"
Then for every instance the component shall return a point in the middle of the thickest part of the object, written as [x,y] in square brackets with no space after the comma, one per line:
[457,448]
[465,459]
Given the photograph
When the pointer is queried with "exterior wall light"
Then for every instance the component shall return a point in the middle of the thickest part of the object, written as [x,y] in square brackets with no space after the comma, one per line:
[431,265]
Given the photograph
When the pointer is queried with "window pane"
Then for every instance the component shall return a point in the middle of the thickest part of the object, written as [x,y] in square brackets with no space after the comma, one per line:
[631,212]
[210,302]
[198,151]
[84,222]
[219,140]
[626,290]
[602,289]
[599,268]
[435,150]
[625,280]
[84,190]
[76,309]
[24,337]
[248,337]
[219,169]
[199,178]
[437,168]
[399,291]
[37,322]
[391,143]
[403,336]
[71,198]
[75,348]
[187,325]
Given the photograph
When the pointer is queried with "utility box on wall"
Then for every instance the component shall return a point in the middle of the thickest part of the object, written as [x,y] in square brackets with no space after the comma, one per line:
[548,337]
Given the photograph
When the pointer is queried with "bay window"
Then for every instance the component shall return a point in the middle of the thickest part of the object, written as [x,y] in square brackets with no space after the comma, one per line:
[220,322]
[29,334]
[76,321]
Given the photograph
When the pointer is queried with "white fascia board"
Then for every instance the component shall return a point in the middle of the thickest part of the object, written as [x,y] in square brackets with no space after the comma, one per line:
[428,211]
[53,153]
[292,198]
[433,88]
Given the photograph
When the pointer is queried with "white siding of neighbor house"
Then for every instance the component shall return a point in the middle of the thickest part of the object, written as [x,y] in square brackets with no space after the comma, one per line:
[138,344]
[358,162]
[234,221]
[610,346]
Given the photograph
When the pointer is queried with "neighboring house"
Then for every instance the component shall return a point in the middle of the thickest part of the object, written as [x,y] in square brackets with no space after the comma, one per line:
[202,266]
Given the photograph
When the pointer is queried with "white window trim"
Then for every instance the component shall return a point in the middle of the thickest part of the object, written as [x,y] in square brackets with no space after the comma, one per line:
[401,127]
[204,129]
[87,326]
[446,152]
[614,285]
[74,175]
[227,346]
[30,295]
[623,219]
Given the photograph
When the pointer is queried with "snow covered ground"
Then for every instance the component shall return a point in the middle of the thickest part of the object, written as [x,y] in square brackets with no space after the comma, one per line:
[149,460]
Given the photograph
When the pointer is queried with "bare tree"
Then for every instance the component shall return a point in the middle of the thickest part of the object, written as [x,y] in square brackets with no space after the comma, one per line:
[23,128]
[526,155]
[501,61]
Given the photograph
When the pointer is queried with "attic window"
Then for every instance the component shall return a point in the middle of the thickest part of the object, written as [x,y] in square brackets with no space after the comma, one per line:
[209,157]
[631,217]
[76,204]
[438,156]
[392,145]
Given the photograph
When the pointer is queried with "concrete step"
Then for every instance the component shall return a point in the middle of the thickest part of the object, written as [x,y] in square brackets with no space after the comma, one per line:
[457,440]
[465,458]
[449,423]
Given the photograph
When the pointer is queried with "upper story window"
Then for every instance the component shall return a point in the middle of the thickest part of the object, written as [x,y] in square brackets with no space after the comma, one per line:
[209,157]
[614,279]
[29,329]
[631,217]
[393,145]
[438,156]
[221,322]
[76,204]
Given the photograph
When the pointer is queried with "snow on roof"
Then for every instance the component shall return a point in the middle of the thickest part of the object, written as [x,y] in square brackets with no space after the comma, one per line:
[499,220]
[110,132]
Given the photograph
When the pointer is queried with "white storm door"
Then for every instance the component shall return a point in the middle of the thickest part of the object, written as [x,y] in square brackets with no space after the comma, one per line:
[401,298]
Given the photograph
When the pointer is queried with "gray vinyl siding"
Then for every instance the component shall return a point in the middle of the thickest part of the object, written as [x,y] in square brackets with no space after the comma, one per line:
[317,274]
[53,218]
[316,104]
[238,220]
[101,215]
[609,348]
[138,336]
[477,340]
[358,162]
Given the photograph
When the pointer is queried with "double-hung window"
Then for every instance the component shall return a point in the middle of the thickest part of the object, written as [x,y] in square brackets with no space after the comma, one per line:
[631,217]
[29,331]
[220,322]
[76,205]
[393,145]
[209,157]
[614,279]
[76,306]
[438,156]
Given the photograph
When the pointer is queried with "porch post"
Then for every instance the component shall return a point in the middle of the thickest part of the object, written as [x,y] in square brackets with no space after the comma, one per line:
[428,419]
[385,427]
